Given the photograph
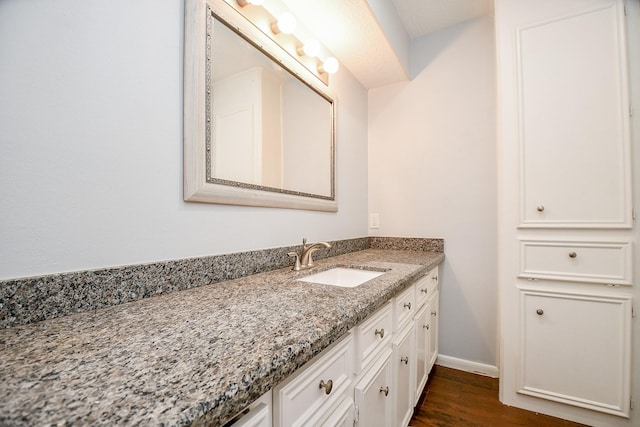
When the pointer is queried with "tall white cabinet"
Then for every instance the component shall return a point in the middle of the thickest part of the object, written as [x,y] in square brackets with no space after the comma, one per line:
[566,223]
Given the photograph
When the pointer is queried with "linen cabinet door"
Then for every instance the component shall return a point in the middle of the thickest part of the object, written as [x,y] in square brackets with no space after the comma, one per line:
[575,349]
[574,126]
[374,394]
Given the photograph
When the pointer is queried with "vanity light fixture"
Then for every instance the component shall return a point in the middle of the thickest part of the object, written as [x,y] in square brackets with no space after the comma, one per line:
[330,65]
[281,30]
[285,24]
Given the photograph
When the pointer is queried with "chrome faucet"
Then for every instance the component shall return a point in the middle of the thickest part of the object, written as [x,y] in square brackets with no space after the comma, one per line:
[305,260]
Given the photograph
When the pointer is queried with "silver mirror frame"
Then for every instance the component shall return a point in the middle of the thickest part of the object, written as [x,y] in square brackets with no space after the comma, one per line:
[197,188]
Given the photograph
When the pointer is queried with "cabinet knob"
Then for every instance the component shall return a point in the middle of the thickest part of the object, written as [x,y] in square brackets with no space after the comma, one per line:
[540,208]
[539,312]
[404,360]
[380,332]
[385,390]
[426,326]
[434,278]
[407,305]
[424,290]
[572,254]
[434,313]
[328,386]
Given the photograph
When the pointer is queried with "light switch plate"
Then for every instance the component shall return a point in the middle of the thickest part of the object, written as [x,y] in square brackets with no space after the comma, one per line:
[374,220]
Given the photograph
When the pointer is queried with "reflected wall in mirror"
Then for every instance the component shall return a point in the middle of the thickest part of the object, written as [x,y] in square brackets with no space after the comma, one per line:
[256,133]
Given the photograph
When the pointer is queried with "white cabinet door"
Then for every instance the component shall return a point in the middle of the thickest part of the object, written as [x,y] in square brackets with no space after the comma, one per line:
[423,335]
[342,416]
[374,394]
[573,121]
[575,349]
[433,306]
[403,364]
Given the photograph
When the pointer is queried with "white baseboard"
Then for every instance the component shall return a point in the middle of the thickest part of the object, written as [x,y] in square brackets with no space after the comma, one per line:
[467,365]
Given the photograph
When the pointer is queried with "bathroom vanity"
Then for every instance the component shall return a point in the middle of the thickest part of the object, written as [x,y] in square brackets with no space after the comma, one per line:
[201,356]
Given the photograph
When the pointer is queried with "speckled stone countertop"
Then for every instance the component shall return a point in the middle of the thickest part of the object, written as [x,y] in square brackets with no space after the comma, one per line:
[188,357]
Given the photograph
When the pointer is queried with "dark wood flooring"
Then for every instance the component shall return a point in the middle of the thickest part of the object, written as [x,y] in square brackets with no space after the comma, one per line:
[457,398]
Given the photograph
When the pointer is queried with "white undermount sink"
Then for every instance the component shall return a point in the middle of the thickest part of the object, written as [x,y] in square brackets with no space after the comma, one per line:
[342,276]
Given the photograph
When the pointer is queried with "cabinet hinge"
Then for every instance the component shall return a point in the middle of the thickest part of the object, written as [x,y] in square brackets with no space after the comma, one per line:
[356,413]
[633,214]
[624,8]
[630,110]
[633,312]
[631,403]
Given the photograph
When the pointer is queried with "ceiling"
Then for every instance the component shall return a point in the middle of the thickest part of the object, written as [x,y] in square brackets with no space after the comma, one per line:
[372,38]
[420,17]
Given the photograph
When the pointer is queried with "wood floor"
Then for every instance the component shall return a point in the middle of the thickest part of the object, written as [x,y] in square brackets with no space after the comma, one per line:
[457,398]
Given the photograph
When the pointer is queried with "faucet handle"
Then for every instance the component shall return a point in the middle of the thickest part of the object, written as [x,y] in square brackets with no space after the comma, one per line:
[296,266]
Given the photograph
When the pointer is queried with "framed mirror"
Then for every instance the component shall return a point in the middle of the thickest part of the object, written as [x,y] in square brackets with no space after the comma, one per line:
[258,125]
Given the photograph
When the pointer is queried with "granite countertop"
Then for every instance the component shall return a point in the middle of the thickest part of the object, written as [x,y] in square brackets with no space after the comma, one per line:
[188,357]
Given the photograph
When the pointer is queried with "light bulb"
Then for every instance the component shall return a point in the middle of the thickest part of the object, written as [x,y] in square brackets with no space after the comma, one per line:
[311,48]
[330,65]
[243,3]
[286,24]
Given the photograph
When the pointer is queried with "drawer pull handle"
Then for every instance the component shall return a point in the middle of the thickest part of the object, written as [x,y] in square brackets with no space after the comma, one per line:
[385,390]
[572,254]
[328,386]
[407,305]
[540,208]
[404,360]
[434,313]
[380,332]
[426,326]
[424,290]
[539,312]
[435,278]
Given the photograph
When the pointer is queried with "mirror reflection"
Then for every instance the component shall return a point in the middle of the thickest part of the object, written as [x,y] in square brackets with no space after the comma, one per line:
[269,130]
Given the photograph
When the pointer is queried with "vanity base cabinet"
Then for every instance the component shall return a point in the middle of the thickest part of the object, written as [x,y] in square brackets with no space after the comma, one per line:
[425,330]
[374,375]
[575,349]
[374,394]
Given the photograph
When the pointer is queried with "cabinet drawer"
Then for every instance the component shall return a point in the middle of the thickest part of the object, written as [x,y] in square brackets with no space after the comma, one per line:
[309,397]
[425,287]
[405,307]
[372,336]
[576,261]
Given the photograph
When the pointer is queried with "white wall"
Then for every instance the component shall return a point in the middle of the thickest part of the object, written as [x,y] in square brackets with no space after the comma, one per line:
[91,145]
[432,162]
